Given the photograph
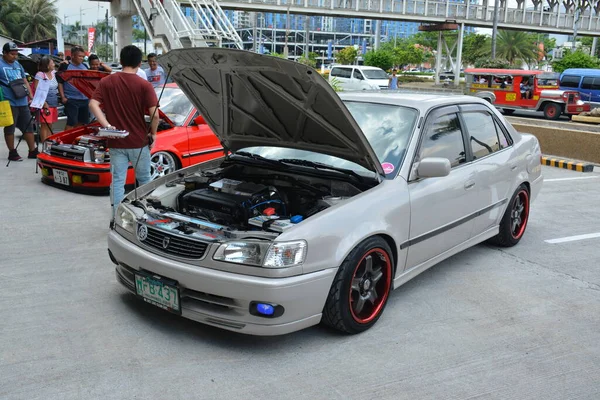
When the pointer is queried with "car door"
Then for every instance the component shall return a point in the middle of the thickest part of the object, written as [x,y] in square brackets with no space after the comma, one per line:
[358,80]
[441,208]
[203,144]
[491,147]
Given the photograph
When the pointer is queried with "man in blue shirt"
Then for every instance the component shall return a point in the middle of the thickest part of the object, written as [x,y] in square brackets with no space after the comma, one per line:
[76,104]
[10,71]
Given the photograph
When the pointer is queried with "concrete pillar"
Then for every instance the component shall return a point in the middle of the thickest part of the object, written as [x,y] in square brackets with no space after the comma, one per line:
[123,10]
[594,44]
[438,59]
[377,33]
[461,32]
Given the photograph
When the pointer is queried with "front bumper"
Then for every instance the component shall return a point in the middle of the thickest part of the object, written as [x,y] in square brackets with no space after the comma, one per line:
[83,177]
[575,109]
[222,299]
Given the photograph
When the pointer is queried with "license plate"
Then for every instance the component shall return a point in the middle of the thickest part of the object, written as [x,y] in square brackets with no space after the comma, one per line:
[61,176]
[158,291]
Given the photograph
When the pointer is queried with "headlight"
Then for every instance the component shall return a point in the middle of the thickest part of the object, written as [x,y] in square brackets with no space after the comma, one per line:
[125,218]
[46,146]
[268,255]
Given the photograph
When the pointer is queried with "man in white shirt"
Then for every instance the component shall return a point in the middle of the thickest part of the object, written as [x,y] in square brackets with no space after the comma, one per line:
[156,73]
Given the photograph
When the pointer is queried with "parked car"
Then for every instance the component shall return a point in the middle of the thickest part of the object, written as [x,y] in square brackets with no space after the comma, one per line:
[585,81]
[79,160]
[359,77]
[325,204]
[524,90]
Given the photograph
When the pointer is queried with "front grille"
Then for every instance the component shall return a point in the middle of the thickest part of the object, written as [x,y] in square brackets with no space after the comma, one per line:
[174,244]
[571,98]
[67,152]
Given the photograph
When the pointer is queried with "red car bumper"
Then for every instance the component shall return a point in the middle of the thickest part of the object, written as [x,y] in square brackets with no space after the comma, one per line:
[77,176]
[577,108]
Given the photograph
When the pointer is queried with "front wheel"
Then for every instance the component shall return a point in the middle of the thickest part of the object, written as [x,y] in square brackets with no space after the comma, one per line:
[552,111]
[514,221]
[361,287]
[161,164]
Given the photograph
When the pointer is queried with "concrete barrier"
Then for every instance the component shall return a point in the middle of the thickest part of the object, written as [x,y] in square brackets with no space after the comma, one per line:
[562,139]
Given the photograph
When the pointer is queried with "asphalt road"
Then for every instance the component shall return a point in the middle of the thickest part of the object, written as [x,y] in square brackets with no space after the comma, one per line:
[489,323]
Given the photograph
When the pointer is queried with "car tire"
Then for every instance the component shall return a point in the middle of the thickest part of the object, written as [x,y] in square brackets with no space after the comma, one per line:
[508,111]
[552,111]
[162,163]
[361,287]
[515,218]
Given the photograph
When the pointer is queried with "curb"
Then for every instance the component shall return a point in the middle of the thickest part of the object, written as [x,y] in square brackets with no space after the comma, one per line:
[567,164]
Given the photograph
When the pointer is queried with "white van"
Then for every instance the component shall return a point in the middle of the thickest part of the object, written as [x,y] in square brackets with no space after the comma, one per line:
[359,77]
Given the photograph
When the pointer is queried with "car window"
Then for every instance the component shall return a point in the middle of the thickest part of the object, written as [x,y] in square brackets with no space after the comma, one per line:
[570,81]
[587,82]
[482,132]
[174,104]
[504,137]
[444,138]
[341,72]
[596,84]
[375,74]
[357,74]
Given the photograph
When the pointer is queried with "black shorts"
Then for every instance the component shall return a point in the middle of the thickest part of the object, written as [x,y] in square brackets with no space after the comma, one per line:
[77,111]
[22,120]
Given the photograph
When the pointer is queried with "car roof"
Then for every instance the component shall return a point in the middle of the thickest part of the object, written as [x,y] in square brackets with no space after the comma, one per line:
[581,71]
[421,101]
[356,66]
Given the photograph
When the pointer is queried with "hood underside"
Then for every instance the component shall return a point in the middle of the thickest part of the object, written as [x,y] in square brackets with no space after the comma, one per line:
[250,99]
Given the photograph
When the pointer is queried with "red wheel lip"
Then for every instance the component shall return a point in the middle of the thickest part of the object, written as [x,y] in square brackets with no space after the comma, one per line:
[525,211]
[382,299]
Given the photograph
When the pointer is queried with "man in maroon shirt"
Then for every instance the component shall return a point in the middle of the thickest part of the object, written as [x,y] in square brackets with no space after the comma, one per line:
[125,98]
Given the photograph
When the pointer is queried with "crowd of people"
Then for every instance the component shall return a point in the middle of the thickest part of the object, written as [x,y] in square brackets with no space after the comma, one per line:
[120,101]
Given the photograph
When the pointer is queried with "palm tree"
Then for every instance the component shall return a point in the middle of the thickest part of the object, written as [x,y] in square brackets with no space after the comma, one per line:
[38,19]
[102,29]
[515,46]
[8,19]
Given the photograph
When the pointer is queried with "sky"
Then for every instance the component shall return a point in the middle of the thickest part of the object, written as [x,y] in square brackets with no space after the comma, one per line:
[71,8]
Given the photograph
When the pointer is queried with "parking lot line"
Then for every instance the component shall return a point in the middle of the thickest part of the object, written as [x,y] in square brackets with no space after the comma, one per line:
[573,238]
[570,179]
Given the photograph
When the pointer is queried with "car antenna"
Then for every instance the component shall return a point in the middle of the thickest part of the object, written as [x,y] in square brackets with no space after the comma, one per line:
[135,198]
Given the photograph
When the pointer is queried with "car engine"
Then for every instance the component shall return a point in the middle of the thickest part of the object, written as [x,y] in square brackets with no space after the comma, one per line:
[242,198]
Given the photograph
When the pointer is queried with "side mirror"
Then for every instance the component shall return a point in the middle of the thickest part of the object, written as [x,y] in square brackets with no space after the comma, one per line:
[433,167]
[199,120]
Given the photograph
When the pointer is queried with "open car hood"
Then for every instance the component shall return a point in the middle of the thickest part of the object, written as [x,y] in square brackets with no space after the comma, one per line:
[250,99]
[86,81]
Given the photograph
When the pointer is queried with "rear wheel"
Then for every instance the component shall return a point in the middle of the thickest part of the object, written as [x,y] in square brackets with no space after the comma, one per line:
[514,221]
[361,287]
[552,111]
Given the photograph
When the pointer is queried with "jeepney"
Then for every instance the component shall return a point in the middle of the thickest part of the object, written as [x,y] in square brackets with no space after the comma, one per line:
[524,90]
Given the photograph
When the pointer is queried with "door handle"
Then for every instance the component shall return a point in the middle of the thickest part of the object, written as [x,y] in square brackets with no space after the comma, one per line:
[513,167]
[469,185]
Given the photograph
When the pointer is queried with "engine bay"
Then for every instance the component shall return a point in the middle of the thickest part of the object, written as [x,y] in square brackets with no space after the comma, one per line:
[242,198]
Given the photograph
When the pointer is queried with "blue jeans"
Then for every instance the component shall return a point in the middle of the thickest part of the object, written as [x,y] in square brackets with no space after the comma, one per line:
[119,164]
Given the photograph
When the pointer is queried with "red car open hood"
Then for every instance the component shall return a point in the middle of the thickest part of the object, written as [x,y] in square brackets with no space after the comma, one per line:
[86,81]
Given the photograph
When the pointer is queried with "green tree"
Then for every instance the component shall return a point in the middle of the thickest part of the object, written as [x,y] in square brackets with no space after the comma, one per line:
[9,16]
[475,46]
[383,59]
[347,55]
[138,35]
[577,59]
[104,51]
[515,46]
[496,63]
[72,33]
[278,55]
[103,30]
[37,19]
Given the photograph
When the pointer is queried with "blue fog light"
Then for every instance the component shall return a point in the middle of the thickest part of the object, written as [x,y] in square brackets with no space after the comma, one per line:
[265,309]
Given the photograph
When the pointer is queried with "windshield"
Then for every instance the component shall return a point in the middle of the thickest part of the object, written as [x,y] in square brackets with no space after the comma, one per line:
[174,104]
[388,129]
[375,74]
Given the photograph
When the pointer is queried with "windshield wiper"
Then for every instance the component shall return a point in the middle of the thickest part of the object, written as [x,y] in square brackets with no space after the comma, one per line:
[318,165]
[257,157]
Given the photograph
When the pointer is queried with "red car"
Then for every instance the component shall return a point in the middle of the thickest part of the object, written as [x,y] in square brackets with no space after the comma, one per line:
[78,160]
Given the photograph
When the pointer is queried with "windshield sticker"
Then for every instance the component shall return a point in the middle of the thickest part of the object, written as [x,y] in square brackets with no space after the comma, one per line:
[388,168]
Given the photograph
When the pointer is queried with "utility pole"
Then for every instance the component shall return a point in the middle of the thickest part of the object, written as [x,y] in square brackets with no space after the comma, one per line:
[495,29]
[286,51]
[106,35]
[575,21]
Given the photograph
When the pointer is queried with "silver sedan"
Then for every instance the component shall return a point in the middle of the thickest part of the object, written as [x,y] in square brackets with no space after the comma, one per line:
[325,202]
